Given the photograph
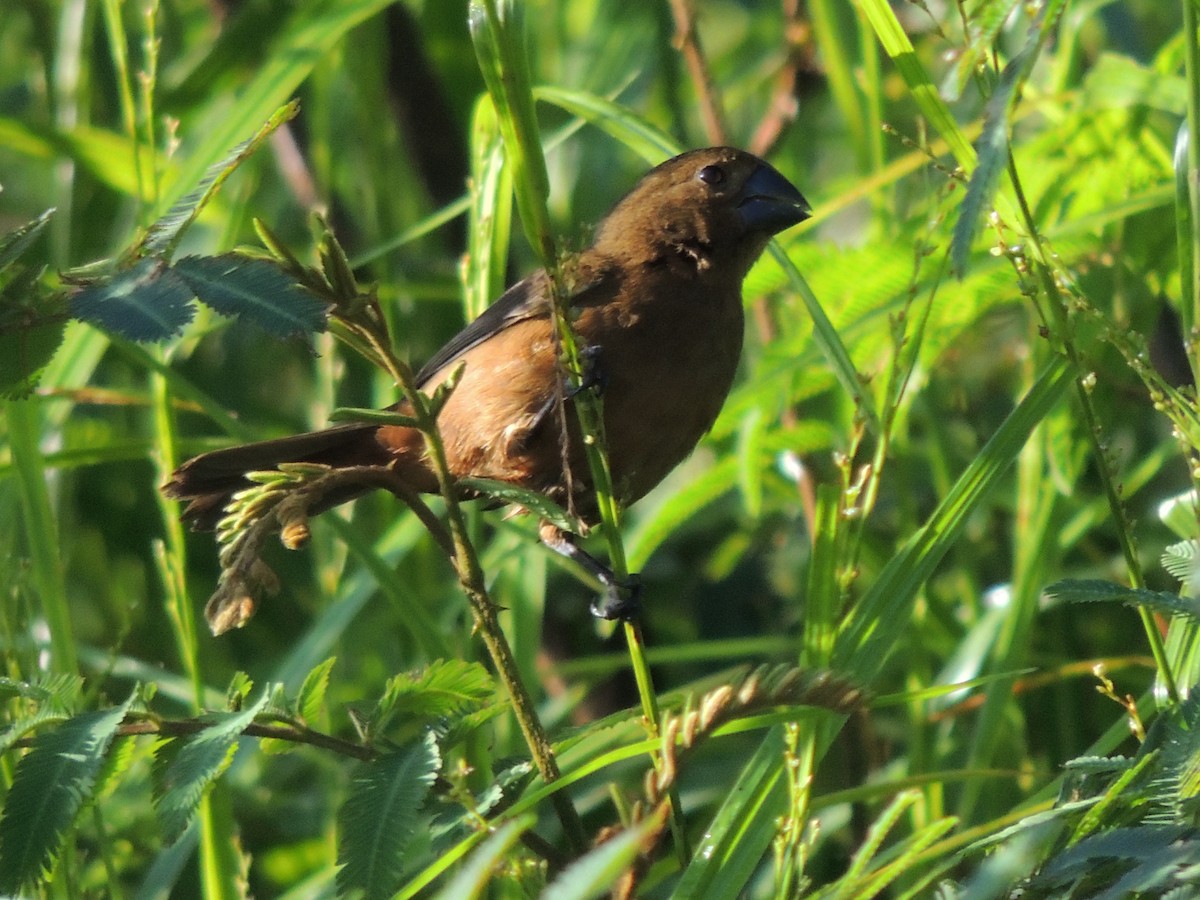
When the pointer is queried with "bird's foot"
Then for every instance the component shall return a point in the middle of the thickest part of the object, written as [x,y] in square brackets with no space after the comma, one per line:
[621,600]
[592,376]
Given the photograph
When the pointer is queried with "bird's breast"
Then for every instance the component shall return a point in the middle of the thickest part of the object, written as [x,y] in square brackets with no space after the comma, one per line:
[667,365]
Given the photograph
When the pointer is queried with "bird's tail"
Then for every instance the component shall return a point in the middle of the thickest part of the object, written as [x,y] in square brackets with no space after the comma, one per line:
[209,481]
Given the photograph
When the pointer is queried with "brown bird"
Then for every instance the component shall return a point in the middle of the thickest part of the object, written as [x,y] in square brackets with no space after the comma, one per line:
[657,304]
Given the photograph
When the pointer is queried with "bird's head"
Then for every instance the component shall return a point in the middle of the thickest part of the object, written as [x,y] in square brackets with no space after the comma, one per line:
[714,209]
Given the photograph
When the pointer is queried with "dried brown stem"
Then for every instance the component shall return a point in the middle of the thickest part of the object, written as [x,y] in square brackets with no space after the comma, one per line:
[687,40]
[783,106]
[762,689]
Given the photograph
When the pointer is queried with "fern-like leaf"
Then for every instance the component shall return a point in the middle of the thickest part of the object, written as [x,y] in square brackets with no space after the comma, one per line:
[380,817]
[992,150]
[255,290]
[14,244]
[1182,560]
[185,771]
[445,688]
[146,303]
[162,237]
[1090,590]
[1175,793]
[50,785]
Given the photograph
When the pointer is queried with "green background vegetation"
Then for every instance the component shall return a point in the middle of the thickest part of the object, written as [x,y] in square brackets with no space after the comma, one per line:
[989,409]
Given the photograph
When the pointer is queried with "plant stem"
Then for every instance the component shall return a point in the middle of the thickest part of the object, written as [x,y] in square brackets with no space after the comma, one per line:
[1191,292]
[499,43]
[1095,432]
[471,578]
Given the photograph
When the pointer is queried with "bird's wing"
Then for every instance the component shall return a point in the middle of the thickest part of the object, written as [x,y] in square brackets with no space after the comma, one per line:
[524,300]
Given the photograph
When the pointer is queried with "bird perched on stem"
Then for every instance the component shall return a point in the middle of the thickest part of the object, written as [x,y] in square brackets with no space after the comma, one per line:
[656,305]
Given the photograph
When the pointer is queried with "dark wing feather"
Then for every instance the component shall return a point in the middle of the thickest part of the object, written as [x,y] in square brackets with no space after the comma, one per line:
[524,300]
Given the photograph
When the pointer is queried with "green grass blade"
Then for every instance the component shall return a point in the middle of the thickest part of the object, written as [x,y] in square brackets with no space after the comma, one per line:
[866,638]
[314,31]
[41,531]
[742,829]
[897,45]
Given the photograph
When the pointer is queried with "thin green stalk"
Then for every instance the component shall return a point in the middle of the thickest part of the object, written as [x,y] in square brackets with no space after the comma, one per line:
[1033,530]
[41,531]
[499,36]
[840,72]
[219,863]
[147,80]
[119,52]
[219,856]
[105,851]
[474,584]
[1058,307]
[173,561]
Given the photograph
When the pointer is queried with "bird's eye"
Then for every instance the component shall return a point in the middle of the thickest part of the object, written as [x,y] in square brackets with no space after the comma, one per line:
[712,175]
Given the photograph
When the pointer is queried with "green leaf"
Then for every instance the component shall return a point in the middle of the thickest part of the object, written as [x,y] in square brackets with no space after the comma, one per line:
[1182,560]
[476,870]
[862,646]
[498,35]
[146,303]
[380,817]
[742,829]
[491,196]
[25,351]
[896,44]
[1185,229]
[992,153]
[59,691]
[992,149]
[595,873]
[827,339]
[647,140]
[255,290]
[187,770]
[445,688]
[311,697]
[372,416]
[49,786]
[538,504]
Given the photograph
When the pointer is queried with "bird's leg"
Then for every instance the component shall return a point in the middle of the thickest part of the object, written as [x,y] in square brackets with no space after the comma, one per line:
[621,597]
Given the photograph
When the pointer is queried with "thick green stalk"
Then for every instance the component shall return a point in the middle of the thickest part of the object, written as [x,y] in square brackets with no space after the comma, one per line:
[1191,44]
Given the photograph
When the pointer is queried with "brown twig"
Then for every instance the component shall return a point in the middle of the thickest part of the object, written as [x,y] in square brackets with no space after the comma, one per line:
[687,41]
[295,734]
[783,106]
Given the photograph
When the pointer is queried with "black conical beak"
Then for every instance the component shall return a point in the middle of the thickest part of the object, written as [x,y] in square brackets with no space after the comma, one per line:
[769,203]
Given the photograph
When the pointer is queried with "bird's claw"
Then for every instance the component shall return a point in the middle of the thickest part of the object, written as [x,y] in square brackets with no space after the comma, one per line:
[621,600]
